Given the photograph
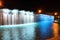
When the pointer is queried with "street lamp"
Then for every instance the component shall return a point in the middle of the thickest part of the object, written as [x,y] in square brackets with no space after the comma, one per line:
[1,3]
[39,11]
[55,13]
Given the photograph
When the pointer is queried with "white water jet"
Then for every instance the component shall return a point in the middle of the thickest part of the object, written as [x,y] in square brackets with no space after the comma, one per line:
[27,16]
[9,19]
[20,18]
[23,17]
[15,12]
[31,17]
[13,20]
[5,16]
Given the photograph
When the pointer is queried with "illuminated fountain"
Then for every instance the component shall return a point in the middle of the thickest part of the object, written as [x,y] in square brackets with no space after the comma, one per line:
[1,17]
[28,32]
[18,25]
[27,16]
[31,17]
[6,16]
[15,16]
[19,32]
[46,24]
[22,17]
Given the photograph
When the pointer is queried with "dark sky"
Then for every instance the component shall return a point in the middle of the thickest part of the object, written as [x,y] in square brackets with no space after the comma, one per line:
[47,5]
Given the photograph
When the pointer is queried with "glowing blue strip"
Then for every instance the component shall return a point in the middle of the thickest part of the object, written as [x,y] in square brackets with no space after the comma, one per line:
[44,17]
[19,25]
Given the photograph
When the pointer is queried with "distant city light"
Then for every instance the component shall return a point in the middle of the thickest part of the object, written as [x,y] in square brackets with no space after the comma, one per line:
[58,16]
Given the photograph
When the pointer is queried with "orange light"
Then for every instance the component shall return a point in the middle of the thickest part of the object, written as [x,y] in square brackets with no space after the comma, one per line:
[55,13]
[1,4]
[55,29]
[39,11]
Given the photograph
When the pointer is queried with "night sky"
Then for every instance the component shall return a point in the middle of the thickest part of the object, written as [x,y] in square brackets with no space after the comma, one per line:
[33,5]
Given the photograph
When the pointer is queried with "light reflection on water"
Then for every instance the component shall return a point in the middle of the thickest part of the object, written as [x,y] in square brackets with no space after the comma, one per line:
[18,33]
[46,30]
[55,32]
[27,32]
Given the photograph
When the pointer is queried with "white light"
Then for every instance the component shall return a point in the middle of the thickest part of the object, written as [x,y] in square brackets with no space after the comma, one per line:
[28,16]
[27,12]
[31,17]
[6,11]
[15,11]
[22,12]
[14,16]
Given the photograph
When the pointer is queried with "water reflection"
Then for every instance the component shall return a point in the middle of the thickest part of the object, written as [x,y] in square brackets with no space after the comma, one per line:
[30,32]
[46,29]
[18,33]
[55,32]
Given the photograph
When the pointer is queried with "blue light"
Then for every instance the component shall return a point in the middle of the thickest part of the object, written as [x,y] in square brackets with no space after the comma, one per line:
[46,17]
[45,25]
[46,29]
